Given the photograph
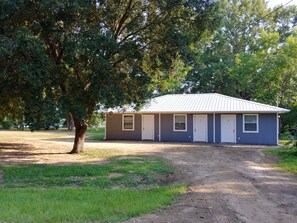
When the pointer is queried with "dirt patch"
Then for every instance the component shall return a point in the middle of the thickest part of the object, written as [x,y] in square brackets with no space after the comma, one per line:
[114,175]
[226,183]
[167,179]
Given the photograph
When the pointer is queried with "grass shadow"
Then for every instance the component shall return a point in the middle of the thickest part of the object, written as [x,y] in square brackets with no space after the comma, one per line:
[12,153]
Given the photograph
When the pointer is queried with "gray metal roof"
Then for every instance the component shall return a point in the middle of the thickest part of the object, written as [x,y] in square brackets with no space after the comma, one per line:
[206,103]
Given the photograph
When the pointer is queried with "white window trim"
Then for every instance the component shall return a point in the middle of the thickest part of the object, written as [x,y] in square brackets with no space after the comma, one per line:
[186,124]
[257,118]
[123,129]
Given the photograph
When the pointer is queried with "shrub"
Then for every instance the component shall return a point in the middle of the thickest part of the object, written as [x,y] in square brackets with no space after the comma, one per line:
[7,124]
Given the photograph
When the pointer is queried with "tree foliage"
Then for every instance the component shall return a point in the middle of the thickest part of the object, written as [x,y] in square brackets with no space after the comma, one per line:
[234,33]
[251,54]
[74,56]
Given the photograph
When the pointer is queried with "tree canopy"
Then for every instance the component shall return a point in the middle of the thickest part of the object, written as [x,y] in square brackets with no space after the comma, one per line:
[251,54]
[73,56]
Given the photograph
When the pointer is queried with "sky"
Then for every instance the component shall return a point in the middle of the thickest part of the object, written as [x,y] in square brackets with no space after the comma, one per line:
[272,3]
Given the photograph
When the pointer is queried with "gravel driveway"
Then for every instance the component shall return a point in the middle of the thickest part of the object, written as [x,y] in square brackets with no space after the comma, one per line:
[227,183]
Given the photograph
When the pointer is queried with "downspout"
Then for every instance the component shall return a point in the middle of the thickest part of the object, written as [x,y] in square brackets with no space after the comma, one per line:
[277,128]
[105,126]
[142,128]
[214,128]
[159,127]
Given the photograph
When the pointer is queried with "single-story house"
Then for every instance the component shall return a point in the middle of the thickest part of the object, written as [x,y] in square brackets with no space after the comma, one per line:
[212,118]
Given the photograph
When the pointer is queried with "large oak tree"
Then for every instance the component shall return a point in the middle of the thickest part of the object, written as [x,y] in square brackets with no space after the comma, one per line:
[79,55]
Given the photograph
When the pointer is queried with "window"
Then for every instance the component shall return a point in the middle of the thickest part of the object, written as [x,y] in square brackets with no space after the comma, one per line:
[128,122]
[250,123]
[180,123]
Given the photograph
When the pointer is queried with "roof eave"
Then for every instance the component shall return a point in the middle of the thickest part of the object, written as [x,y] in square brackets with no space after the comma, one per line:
[199,112]
[216,112]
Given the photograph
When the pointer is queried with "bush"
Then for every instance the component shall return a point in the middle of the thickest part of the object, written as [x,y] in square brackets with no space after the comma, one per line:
[294,145]
[7,124]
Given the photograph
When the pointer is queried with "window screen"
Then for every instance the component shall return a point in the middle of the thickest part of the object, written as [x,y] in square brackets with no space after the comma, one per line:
[128,122]
[180,123]
[250,123]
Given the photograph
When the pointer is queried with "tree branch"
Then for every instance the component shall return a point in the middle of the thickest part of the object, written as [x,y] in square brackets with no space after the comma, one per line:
[123,18]
[140,29]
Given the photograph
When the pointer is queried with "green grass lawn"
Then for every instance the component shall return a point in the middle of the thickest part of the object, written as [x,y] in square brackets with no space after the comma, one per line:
[288,158]
[124,187]
[285,138]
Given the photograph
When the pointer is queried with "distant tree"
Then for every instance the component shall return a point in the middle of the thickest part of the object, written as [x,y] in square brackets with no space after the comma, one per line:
[83,54]
[251,54]
[236,32]
[284,20]
[96,120]
[270,72]
[289,119]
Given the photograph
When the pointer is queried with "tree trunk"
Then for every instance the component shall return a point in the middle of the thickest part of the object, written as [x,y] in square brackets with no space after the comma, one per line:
[70,122]
[80,134]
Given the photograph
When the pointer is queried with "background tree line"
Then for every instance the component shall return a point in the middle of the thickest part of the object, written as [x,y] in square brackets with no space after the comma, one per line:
[250,54]
[75,57]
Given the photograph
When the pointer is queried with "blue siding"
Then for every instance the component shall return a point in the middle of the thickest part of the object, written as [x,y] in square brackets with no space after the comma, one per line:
[210,127]
[218,128]
[168,135]
[267,131]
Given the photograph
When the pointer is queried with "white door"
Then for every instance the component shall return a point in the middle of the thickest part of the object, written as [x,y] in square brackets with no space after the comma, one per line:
[147,127]
[228,128]
[200,128]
